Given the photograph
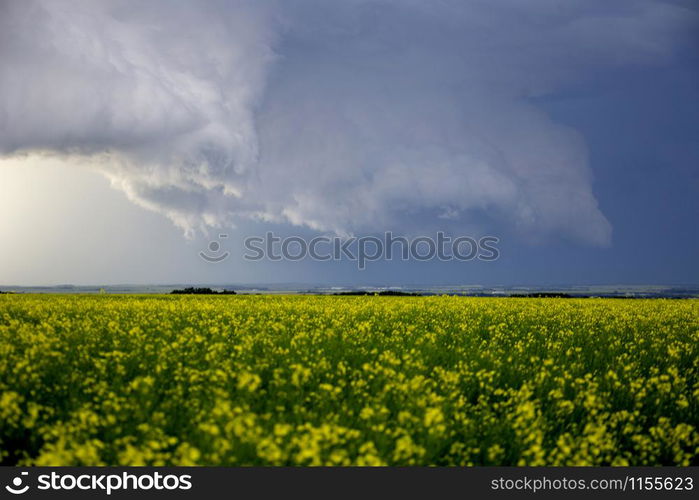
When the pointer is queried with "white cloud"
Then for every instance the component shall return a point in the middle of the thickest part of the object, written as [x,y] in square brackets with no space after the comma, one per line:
[341,116]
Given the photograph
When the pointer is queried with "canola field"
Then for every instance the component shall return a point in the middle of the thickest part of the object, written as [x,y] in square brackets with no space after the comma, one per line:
[322,380]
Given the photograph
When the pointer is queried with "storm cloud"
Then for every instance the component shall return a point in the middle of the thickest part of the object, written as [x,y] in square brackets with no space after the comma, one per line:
[347,116]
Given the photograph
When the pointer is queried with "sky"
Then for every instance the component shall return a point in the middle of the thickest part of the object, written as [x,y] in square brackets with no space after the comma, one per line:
[133,134]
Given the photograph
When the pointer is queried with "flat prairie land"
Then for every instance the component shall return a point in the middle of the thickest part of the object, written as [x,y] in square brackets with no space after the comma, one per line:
[366,380]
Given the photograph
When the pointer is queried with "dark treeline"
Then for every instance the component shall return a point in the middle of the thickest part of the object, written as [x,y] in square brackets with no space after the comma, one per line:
[201,291]
[541,295]
[383,292]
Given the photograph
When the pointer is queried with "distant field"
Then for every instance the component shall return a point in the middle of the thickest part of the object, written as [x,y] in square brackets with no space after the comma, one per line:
[323,380]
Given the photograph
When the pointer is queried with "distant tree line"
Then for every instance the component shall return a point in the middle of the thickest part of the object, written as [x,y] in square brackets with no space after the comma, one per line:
[541,295]
[395,293]
[201,291]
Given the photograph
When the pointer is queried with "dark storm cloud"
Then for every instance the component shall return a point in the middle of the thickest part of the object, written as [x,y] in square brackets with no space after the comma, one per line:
[341,116]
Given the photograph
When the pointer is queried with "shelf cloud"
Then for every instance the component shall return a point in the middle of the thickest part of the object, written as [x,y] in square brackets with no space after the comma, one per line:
[339,116]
